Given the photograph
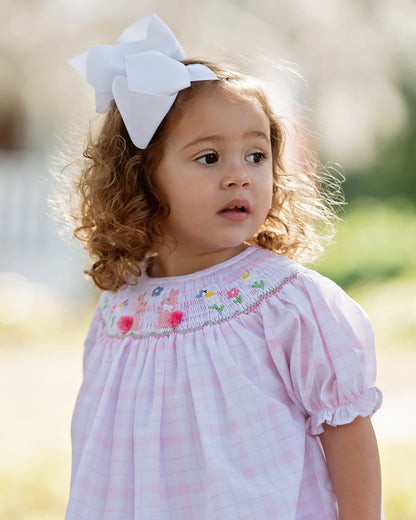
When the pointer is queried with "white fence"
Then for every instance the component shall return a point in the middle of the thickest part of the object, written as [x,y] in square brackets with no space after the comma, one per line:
[29,241]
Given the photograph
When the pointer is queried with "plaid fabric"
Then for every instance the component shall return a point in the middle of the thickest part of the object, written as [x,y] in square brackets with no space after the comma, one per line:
[203,395]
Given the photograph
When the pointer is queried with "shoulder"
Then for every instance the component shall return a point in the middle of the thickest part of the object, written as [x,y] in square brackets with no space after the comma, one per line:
[313,306]
[290,281]
[265,268]
[308,295]
[296,279]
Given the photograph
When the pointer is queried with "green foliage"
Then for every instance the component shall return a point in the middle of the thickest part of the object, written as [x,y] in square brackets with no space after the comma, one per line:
[376,240]
[393,173]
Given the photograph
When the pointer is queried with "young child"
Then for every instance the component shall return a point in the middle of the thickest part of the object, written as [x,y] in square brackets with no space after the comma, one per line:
[222,379]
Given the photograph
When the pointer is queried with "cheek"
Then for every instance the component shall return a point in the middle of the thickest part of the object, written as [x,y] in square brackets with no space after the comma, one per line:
[268,192]
[192,191]
[188,204]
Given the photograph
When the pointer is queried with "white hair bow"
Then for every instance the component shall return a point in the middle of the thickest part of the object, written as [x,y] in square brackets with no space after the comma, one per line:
[142,72]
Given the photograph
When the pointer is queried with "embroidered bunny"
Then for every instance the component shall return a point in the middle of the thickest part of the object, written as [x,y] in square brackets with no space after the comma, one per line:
[168,316]
[127,323]
[140,309]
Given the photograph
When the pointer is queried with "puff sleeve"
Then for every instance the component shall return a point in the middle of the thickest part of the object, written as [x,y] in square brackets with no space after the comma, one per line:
[322,344]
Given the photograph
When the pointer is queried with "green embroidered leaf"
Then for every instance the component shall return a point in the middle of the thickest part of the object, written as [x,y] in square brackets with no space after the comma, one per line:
[215,307]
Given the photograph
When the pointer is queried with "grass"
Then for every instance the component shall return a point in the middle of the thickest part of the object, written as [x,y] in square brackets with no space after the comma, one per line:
[36,494]
[373,258]
[376,241]
[391,305]
[399,481]
[40,370]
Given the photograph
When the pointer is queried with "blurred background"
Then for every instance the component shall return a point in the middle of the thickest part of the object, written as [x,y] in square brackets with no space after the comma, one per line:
[351,62]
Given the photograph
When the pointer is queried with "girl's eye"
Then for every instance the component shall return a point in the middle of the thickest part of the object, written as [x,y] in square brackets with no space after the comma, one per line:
[208,158]
[256,157]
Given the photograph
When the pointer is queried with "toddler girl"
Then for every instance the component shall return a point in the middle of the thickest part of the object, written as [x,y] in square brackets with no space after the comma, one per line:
[222,380]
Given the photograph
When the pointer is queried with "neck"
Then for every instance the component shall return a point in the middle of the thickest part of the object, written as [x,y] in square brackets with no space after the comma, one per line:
[181,261]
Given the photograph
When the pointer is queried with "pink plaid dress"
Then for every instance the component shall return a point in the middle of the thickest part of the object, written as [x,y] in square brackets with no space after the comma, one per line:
[204,395]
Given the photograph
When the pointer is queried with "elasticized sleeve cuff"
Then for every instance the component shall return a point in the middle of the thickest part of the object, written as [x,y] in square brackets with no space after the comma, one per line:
[366,405]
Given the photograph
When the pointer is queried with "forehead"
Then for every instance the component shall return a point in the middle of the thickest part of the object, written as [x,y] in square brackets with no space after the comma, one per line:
[219,112]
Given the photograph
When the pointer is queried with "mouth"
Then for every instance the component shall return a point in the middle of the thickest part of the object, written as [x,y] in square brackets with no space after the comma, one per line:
[236,206]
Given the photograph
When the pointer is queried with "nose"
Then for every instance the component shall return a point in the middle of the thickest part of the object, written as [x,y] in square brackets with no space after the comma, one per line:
[235,176]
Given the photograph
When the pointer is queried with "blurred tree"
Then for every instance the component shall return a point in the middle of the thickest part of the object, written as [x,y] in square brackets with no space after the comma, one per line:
[393,173]
[12,125]
[12,106]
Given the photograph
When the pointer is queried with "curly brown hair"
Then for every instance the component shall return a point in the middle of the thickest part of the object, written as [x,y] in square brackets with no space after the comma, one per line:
[118,209]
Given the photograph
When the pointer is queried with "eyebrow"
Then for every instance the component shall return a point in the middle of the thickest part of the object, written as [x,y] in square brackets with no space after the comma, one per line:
[200,140]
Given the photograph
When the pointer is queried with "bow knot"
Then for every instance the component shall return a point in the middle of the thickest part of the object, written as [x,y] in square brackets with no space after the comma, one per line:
[142,72]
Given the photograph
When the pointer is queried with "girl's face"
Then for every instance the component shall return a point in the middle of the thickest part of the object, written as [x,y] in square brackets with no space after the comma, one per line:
[216,173]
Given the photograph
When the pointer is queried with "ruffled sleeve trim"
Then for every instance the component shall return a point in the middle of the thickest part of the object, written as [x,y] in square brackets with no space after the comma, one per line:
[366,405]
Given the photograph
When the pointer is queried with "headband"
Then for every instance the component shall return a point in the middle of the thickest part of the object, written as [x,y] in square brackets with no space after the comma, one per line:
[142,72]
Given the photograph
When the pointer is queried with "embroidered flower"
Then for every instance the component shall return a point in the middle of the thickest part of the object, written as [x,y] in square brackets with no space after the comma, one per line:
[209,294]
[174,319]
[157,291]
[232,293]
[245,276]
[124,324]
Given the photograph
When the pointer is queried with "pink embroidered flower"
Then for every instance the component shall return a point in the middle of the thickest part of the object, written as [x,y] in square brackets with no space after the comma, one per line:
[174,319]
[124,324]
[233,293]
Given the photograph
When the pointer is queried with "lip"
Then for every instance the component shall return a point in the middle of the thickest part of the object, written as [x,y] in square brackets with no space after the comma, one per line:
[236,216]
[239,203]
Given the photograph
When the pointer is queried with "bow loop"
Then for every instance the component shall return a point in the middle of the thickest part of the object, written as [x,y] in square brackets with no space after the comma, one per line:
[103,64]
[150,33]
[155,73]
[142,72]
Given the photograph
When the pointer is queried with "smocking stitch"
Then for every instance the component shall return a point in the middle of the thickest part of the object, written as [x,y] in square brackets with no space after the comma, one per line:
[170,316]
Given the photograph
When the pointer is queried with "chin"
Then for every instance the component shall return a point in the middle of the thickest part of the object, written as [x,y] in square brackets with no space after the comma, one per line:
[233,244]
[236,239]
